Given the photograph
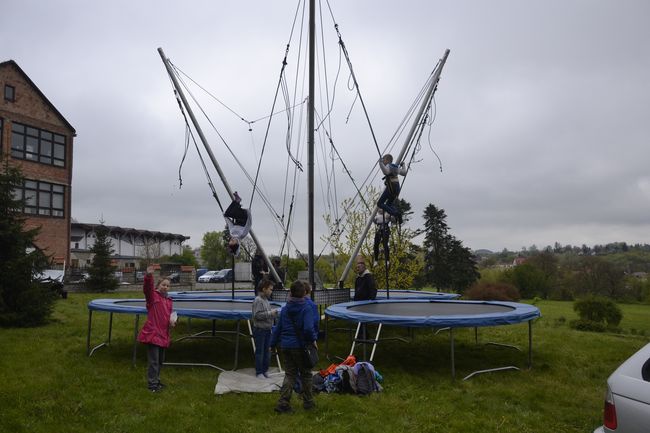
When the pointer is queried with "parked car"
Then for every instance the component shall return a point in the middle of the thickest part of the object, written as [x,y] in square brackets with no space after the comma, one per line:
[174,277]
[223,276]
[200,272]
[206,278]
[139,276]
[627,401]
[53,279]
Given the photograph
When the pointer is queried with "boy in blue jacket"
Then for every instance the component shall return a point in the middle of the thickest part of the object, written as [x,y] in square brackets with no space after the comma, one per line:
[296,321]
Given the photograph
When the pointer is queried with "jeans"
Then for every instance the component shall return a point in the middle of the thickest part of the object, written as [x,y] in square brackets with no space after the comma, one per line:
[155,360]
[387,198]
[262,338]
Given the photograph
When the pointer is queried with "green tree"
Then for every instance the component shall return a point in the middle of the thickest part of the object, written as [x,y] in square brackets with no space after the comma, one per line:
[101,272]
[595,275]
[23,302]
[447,263]
[344,236]
[186,258]
[213,251]
[530,280]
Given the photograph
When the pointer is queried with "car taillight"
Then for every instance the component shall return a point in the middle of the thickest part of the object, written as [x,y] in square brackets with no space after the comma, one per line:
[609,414]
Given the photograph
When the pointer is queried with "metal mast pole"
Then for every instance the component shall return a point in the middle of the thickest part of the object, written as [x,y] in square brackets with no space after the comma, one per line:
[423,107]
[177,86]
[310,143]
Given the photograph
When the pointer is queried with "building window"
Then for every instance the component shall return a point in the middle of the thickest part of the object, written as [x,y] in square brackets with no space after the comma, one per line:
[10,93]
[37,145]
[42,198]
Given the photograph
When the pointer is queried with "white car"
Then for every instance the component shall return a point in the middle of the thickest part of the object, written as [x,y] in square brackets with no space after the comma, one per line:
[208,276]
[627,402]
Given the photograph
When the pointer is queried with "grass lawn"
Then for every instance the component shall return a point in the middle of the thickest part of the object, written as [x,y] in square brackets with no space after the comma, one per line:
[48,384]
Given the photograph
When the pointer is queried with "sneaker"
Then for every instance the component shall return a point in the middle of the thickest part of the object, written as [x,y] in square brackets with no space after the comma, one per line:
[161,385]
[155,389]
[266,374]
[261,376]
[309,405]
[283,409]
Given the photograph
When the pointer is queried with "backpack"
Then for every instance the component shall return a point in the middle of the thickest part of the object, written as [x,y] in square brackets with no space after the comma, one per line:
[366,383]
[348,379]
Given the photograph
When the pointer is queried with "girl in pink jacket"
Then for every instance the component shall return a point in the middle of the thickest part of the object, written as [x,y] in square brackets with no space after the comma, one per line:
[156,331]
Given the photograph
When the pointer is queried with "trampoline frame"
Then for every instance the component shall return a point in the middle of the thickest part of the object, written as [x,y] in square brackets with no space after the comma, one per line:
[378,320]
[104,306]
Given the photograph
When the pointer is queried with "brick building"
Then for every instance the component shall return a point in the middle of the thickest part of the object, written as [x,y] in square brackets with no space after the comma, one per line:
[39,140]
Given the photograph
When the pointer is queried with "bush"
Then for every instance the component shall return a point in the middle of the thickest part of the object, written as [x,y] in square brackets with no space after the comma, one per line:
[596,309]
[588,325]
[484,291]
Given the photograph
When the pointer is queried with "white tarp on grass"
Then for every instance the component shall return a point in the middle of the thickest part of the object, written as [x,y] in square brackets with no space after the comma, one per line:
[244,380]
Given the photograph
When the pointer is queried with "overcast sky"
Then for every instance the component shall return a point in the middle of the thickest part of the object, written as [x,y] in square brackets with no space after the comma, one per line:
[542,120]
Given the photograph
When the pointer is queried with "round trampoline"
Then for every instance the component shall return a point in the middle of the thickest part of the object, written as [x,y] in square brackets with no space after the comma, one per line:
[197,308]
[212,309]
[434,313]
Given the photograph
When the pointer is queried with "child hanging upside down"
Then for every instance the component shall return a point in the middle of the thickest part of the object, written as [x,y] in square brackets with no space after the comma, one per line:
[239,222]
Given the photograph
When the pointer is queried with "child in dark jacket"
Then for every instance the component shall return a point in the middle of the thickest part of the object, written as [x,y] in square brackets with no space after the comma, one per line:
[296,322]
[156,331]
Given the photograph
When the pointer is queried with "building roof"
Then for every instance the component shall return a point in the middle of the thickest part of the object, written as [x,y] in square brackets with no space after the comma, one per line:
[41,94]
[128,230]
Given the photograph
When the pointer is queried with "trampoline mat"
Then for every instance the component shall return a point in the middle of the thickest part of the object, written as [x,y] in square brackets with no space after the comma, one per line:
[429,309]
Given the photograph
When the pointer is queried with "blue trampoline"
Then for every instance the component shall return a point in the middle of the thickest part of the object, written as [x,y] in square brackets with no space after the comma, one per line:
[323,297]
[440,314]
[245,294]
[212,309]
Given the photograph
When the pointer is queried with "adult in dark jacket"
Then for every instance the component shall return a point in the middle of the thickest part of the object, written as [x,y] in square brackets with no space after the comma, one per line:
[259,270]
[296,321]
[365,287]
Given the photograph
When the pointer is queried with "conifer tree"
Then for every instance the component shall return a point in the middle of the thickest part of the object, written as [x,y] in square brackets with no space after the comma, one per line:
[101,272]
[448,264]
[23,301]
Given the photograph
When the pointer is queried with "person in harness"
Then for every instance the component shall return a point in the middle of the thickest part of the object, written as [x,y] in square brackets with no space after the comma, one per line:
[382,235]
[391,180]
[239,222]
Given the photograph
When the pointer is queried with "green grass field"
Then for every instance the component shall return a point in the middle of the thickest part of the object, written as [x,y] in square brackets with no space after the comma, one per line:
[48,384]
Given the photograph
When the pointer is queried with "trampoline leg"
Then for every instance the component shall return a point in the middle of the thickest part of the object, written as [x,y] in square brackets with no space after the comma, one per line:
[374,345]
[453,365]
[135,337]
[214,327]
[250,332]
[354,340]
[530,344]
[476,334]
[90,324]
[237,345]
[110,327]
[327,337]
